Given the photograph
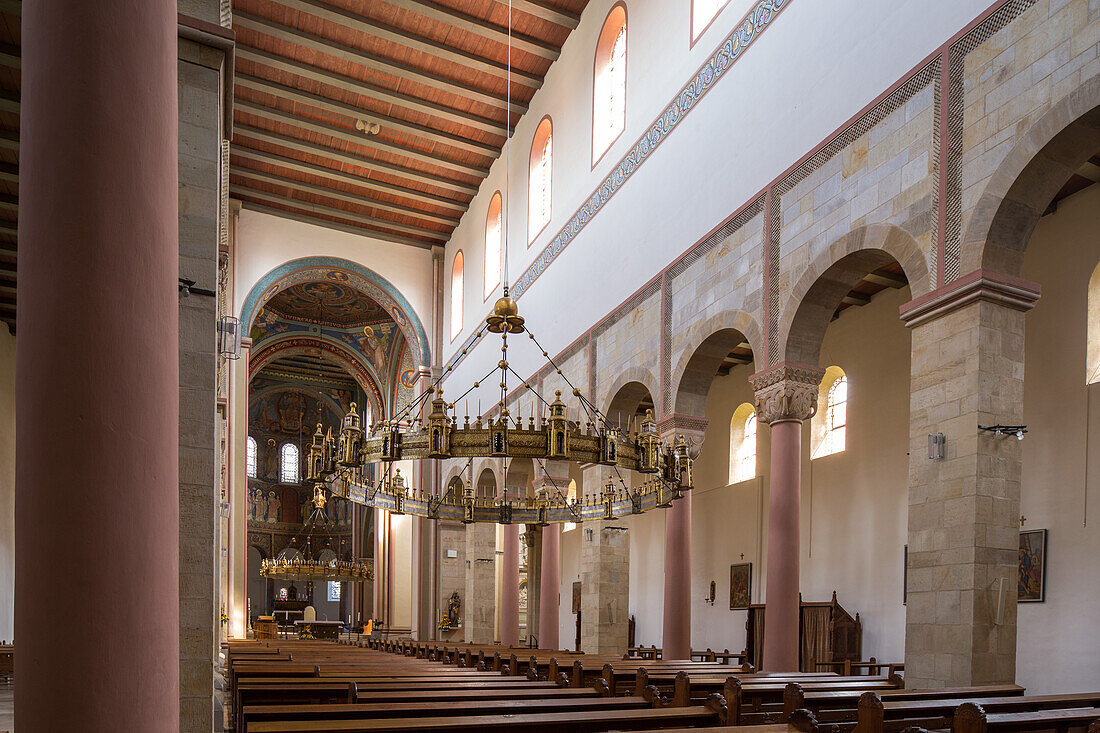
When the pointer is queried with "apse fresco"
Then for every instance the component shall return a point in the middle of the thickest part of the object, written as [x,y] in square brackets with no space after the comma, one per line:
[332,303]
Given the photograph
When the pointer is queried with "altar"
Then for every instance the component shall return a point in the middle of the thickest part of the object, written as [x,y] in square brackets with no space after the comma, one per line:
[319,629]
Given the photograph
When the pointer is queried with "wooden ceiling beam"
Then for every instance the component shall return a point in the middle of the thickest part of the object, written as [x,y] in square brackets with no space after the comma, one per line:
[361,139]
[380,94]
[278,180]
[377,64]
[11,229]
[9,172]
[246,81]
[353,159]
[9,202]
[368,222]
[9,101]
[888,279]
[479,27]
[411,40]
[10,56]
[338,226]
[9,139]
[11,7]
[854,298]
[370,184]
[539,9]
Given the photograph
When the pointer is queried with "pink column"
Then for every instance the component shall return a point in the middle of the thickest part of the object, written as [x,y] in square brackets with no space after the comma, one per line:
[509,592]
[676,643]
[549,585]
[781,619]
[97,503]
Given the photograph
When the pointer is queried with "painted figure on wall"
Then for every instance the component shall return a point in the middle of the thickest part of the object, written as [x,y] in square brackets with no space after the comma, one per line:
[273,505]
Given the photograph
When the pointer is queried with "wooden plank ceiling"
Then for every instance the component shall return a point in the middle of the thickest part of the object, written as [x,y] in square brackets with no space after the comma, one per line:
[382,117]
[9,154]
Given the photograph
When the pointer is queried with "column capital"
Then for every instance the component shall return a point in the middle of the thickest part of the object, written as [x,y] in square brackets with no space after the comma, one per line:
[692,428]
[979,285]
[787,391]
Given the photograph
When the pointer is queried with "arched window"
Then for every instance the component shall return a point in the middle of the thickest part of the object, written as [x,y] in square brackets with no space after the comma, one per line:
[539,183]
[250,457]
[1092,363]
[829,426]
[288,463]
[609,83]
[743,444]
[571,495]
[456,296]
[702,13]
[494,238]
[836,416]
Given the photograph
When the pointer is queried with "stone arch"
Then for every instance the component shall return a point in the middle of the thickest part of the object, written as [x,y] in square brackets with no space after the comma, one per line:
[308,269]
[518,476]
[1023,185]
[833,273]
[639,376]
[487,486]
[297,344]
[709,344]
[455,471]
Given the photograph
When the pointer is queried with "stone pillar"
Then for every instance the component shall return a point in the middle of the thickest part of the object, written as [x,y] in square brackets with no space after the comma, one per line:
[552,484]
[530,573]
[481,549]
[549,587]
[676,637]
[967,370]
[509,588]
[785,396]
[605,576]
[97,472]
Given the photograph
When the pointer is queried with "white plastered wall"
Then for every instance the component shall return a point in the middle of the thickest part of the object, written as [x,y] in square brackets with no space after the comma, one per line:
[265,242]
[814,58]
[1058,645]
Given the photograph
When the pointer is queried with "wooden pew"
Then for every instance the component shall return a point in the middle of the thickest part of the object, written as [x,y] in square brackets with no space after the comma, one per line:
[437,708]
[971,718]
[713,713]
[825,704]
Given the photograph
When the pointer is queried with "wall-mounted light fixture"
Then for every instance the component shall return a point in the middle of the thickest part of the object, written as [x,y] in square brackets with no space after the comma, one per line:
[709,599]
[936,443]
[229,337]
[1017,430]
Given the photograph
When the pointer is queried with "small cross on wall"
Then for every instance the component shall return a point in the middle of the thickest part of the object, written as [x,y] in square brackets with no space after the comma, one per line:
[1022,520]
[742,556]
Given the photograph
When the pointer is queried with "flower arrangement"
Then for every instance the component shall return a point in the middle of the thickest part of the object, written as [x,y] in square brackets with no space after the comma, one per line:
[224,616]
[446,623]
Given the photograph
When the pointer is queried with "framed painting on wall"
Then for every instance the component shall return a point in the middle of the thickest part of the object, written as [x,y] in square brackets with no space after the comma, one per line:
[1031,586]
[740,585]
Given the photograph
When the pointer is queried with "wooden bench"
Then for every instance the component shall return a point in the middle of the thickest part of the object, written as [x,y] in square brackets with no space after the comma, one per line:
[577,721]
[825,704]
[877,715]
[971,718]
[374,709]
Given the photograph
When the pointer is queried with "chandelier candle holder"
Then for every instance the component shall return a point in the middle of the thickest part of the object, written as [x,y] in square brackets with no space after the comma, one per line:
[290,565]
[338,462]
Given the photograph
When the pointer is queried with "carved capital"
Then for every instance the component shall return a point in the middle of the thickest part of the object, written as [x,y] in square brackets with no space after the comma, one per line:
[786,392]
[692,428]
